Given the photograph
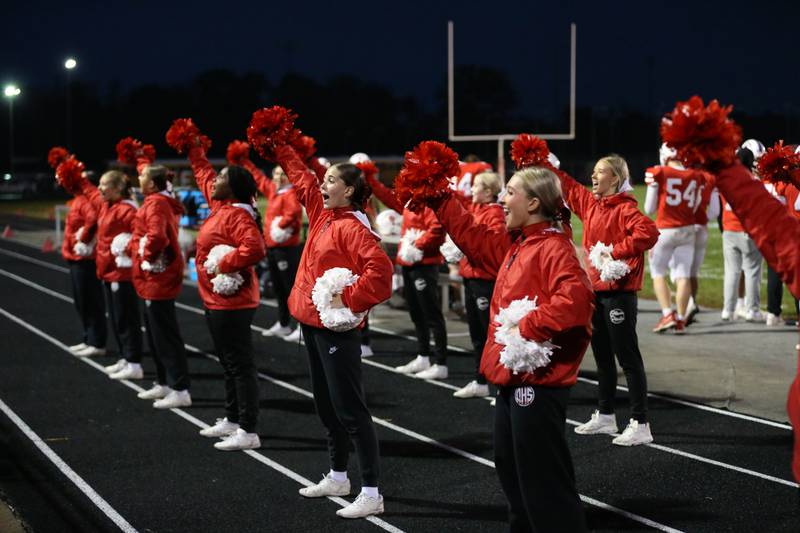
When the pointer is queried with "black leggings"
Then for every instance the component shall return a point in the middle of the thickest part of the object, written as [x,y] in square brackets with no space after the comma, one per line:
[282,263]
[478,296]
[123,310]
[614,332]
[166,344]
[87,292]
[421,283]
[334,360]
[233,343]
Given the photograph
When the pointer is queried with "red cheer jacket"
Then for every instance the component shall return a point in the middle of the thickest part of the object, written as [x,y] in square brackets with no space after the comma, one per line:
[82,215]
[114,219]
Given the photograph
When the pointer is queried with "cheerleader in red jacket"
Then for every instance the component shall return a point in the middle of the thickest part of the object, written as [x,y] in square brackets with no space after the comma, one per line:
[78,250]
[343,273]
[418,255]
[615,236]
[117,211]
[157,278]
[541,309]
[478,282]
[229,246]
[282,224]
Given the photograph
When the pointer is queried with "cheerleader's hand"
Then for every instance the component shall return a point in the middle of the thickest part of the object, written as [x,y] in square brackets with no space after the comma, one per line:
[336,302]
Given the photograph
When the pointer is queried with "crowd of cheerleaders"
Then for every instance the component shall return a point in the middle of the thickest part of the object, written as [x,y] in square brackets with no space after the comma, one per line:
[533,307]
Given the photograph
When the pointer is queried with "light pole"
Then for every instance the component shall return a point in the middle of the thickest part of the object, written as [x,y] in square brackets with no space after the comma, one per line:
[11,92]
[69,64]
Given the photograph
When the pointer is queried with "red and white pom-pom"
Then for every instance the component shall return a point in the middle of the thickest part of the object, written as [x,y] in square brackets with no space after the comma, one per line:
[451,252]
[389,222]
[426,173]
[702,135]
[780,164]
[224,284]
[157,266]
[183,134]
[277,233]
[305,147]
[128,150]
[238,152]
[610,269]
[83,249]
[270,128]
[330,284]
[408,251]
[520,354]
[528,150]
[369,168]
[148,152]
[56,156]
[119,249]
[70,173]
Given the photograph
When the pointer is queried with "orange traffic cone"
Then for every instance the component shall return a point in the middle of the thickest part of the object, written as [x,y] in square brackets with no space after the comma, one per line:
[47,246]
[8,232]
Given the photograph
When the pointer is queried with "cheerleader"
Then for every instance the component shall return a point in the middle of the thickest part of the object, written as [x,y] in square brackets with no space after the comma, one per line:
[541,310]
[78,250]
[418,255]
[479,282]
[117,211]
[229,245]
[343,273]
[615,236]
[157,278]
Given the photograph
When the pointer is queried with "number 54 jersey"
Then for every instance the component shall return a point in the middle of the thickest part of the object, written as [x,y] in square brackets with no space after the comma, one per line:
[682,193]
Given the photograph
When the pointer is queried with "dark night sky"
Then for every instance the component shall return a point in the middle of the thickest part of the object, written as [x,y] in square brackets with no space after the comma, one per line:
[744,53]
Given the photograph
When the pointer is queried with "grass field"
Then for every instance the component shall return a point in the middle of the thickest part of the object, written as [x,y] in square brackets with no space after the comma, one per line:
[711,273]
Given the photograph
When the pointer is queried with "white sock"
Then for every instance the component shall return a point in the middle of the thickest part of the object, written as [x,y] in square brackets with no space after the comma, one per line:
[666,312]
[338,476]
[372,492]
[739,302]
[679,317]
[691,303]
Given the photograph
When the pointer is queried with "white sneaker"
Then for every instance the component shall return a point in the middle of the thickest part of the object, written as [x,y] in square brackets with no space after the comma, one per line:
[726,316]
[116,367]
[327,487]
[156,392]
[277,330]
[176,398]
[473,389]
[634,435]
[754,315]
[418,364]
[740,312]
[129,371]
[362,506]
[90,351]
[78,347]
[221,428]
[294,336]
[773,320]
[239,440]
[493,403]
[598,424]
[366,350]
[434,372]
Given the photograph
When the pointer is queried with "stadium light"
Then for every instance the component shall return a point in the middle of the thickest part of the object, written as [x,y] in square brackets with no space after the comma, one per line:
[70,63]
[10,92]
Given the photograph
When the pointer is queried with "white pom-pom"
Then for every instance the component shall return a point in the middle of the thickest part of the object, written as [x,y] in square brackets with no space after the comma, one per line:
[157,266]
[332,283]
[277,233]
[408,252]
[82,249]
[389,222]
[216,254]
[450,251]
[119,247]
[142,244]
[227,284]
[520,354]
[610,269]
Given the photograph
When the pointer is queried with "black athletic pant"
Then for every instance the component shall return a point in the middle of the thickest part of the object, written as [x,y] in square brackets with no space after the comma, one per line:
[233,344]
[282,263]
[123,310]
[478,296]
[335,363]
[365,340]
[533,461]
[421,283]
[614,332]
[87,292]
[166,343]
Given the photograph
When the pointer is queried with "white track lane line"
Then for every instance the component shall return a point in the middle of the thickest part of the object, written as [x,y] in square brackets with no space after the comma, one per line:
[65,469]
[385,331]
[181,413]
[413,434]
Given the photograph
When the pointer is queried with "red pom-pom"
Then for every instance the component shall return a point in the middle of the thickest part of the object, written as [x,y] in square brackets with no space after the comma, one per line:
[56,156]
[127,150]
[369,169]
[305,147]
[780,164]
[148,152]
[271,127]
[184,134]
[529,150]
[702,135]
[425,175]
[238,152]
[70,173]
